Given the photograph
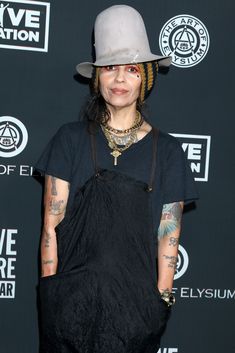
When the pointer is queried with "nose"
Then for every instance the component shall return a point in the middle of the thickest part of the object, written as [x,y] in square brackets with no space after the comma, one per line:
[120,74]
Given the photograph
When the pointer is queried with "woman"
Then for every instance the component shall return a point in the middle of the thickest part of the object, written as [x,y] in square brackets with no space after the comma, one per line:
[115,187]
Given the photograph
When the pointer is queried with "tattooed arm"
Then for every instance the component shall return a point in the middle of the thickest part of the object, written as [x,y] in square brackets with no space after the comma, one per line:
[55,202]
[168,241]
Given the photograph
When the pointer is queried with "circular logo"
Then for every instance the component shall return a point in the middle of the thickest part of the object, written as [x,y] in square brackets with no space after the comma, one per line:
[13,136]
[186,39]
[182,263]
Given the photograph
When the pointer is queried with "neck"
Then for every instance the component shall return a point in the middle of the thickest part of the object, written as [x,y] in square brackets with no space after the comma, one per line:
[122,118]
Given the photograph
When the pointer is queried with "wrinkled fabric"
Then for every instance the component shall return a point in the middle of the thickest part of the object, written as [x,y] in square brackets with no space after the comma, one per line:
[104,296]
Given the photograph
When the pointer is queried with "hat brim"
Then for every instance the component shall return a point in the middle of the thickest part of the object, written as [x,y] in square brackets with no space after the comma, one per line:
[85,68]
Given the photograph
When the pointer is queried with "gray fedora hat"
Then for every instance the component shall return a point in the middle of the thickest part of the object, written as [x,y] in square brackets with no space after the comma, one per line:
[120,38]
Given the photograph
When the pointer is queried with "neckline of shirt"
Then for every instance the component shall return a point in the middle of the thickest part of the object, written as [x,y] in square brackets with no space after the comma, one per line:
[134,145]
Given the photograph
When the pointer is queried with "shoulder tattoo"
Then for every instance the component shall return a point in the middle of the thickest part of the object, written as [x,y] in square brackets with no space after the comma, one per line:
[170,221]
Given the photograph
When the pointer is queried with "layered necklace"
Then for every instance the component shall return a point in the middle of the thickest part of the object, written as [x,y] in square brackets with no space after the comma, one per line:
[130,136]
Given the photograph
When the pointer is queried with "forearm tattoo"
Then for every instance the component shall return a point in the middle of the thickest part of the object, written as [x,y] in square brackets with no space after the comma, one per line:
[55,207]
[47,239]
[172,261]
[47,262]
[170,220]
[53,186]
[173,241]
[164,290]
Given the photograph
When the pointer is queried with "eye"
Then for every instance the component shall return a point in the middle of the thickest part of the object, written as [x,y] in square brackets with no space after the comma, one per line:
[133,69]
[109,68]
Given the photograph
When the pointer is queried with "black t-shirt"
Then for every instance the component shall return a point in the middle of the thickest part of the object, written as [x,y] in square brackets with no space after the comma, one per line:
[68,156]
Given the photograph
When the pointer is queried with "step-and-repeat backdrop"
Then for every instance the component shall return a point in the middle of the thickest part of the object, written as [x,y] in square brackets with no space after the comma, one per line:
[40,44]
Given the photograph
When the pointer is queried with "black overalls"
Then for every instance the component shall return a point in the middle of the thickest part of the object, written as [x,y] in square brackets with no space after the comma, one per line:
[104,296]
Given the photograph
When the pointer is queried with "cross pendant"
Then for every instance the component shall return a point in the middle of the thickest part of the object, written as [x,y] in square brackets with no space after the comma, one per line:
[115,154]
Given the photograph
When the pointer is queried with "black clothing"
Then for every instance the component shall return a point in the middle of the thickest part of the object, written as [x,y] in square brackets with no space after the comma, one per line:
[68,156]
[104,297]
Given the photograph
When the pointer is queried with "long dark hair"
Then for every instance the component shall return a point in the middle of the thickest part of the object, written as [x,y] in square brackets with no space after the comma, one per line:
[95,109]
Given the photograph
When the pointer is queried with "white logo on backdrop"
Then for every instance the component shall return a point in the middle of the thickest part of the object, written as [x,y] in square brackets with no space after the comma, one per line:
[2,10]
[167,350]
[13,136]
[186,39]
[197,149]
[182,263]
[7,262]
[205,293]
[24,25]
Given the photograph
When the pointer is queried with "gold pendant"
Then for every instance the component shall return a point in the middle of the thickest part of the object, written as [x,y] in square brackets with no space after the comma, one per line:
[115,154]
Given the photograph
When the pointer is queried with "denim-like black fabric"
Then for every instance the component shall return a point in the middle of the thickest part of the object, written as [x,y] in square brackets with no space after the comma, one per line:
[104,297]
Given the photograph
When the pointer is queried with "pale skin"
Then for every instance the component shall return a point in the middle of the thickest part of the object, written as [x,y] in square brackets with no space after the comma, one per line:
[55,201]
[168,242]
[120,87]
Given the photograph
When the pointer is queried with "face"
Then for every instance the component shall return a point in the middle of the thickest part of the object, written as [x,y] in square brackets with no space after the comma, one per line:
[120,85]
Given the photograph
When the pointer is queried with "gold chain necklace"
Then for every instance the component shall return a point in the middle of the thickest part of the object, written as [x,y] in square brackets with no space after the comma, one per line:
[121,140]
[137,123]
[117,151]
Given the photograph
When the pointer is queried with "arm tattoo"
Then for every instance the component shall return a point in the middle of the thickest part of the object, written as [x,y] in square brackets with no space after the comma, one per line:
[163,290]
[55,207]
[172,261]
[53,186]
[170,220]
[47,262]
[44,263]
[173,241]
[47,238]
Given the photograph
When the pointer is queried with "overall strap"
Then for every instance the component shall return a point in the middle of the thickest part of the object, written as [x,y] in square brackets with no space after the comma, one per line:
[93,148]
[154,159]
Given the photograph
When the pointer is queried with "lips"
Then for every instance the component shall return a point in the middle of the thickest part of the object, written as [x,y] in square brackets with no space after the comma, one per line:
[118,91]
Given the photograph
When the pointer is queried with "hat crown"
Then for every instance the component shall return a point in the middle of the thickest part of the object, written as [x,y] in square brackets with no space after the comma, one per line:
[120,38]
[120,33]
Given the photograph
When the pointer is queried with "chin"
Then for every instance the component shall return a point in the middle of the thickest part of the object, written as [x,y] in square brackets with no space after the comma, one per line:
[121,103]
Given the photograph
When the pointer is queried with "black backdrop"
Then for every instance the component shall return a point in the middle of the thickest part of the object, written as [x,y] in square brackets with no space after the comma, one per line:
[39,88]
